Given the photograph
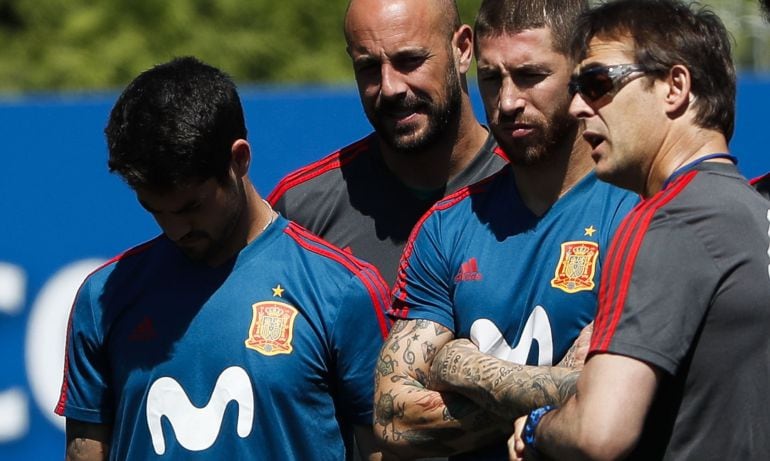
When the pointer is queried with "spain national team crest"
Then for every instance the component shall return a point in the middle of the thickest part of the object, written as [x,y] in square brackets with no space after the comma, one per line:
[272,328]
[577,267]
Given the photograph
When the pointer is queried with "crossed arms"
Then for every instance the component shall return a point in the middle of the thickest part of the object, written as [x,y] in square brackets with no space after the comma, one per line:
[436,396]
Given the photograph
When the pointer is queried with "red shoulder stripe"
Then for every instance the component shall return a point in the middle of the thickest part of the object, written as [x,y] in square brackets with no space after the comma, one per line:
[367,273]
[758,179]
[330,162]
[399,307]
[59,410]
[622,257]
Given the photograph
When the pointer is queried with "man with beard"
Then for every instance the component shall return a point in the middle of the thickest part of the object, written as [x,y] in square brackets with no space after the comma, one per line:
[679,362]
[233,335]
[508,266]
[410,58]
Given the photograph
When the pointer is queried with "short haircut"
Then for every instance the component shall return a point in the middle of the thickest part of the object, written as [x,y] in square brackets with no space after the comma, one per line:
[174,126]
[446,10]
[666,33]
[498,17]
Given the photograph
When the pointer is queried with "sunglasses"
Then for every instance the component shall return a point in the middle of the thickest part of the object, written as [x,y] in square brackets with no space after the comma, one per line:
[596,82]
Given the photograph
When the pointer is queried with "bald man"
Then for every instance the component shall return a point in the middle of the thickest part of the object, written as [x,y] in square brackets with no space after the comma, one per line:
[410,59]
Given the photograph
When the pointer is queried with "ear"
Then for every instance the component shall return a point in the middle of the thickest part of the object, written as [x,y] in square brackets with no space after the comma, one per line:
[240,157]
[462,44]
[678,90]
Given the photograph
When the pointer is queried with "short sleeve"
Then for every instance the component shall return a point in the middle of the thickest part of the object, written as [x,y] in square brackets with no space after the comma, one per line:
[423,289]
[656,291]
[85,393]
[357,337]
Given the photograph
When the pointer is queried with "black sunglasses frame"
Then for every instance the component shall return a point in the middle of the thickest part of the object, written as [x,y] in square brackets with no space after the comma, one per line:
[596,82]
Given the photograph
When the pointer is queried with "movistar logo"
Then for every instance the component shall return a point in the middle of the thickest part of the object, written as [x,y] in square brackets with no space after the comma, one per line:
[491,341]
[196,429]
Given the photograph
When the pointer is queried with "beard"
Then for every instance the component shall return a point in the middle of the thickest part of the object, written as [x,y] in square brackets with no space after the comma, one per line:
[546,141]
[218,240]
[443,117]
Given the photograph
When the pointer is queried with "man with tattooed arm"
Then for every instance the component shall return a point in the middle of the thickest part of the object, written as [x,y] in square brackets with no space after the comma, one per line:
[510,264]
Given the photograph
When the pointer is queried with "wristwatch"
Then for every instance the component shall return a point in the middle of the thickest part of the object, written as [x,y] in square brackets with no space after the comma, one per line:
[528,434]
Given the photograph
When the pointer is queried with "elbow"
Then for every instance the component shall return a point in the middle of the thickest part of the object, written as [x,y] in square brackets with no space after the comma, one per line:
[389,442]
[399,439]
[391,439]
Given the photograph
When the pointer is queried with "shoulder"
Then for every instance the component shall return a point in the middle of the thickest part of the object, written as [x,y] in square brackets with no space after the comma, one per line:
[478,190]
[762,184]
[322,173]
[455,210]
[329,260]
[132,259]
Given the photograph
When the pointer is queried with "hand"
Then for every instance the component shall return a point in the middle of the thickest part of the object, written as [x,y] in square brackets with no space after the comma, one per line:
[516,447]
[447,366]
[576,355]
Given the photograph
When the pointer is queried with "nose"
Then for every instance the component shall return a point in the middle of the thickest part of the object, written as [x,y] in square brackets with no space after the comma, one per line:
[392,81]
[579,108]
[511,99]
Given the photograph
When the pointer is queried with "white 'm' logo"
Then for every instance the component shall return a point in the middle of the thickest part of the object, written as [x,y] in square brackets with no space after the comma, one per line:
[490,340]
[196,429]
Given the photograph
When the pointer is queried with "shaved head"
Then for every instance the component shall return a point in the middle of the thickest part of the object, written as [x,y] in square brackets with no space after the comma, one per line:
[438,14]
[410,58]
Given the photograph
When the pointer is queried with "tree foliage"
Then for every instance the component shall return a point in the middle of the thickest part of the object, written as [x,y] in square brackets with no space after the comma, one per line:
[86,45]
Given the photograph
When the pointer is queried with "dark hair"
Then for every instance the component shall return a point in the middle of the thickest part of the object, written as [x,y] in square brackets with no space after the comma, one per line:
[666,33]
[765,4]
[174,125]
[498,17]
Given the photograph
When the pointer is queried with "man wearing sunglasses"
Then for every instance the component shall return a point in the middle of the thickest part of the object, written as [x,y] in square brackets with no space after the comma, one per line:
[510,264]
[679,362]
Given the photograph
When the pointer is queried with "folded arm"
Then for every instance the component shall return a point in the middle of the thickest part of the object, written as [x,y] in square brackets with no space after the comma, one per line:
[507,389]
[413,420]
[504,388]
[604,419]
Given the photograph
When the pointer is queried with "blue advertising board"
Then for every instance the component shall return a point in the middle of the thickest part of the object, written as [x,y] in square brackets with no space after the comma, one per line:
[62,214]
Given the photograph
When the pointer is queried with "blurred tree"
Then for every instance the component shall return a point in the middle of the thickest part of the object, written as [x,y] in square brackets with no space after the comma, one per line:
[87,45]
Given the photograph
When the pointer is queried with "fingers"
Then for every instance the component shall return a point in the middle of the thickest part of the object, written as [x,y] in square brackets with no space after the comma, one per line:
[516,445]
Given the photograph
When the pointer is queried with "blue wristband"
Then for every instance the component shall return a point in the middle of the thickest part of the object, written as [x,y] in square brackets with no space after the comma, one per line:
[528,434]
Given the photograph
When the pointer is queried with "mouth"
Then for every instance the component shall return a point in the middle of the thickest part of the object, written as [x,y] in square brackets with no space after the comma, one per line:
[593,139]
[191,240]
[518,130]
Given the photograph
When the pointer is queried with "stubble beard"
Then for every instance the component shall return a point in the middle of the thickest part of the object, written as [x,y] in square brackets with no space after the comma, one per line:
[443,119]
[548,140]
[223,239]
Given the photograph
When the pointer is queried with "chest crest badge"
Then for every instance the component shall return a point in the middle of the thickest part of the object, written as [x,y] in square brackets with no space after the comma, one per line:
[272,328]
[577,267]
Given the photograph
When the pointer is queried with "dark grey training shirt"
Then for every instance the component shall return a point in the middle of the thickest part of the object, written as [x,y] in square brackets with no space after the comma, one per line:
[686,288]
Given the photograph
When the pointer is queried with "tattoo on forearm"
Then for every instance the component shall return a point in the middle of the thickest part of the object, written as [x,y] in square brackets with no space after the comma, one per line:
[505,389]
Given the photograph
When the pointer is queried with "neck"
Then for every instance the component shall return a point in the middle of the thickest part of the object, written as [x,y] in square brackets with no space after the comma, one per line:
[685,148]
[542,184]
[434,167]
[254,218]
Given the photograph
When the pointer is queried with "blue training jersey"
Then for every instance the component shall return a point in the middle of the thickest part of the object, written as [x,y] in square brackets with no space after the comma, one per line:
[521,287]
[268,357]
